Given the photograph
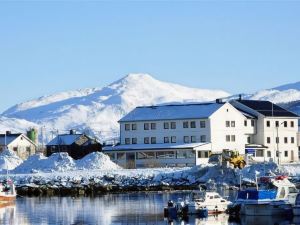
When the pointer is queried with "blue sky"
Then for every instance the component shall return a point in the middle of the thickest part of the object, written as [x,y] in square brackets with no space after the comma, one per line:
[46,47]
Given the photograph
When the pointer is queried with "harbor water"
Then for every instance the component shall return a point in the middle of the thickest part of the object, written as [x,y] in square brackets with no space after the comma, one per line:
[116,209]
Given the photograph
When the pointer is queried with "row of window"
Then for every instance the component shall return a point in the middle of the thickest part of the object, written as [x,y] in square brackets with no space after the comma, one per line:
[172,139]
[246,123]
[230,138]
[277,124]
[167,125]
[260,153]
[285,140]
[179,154]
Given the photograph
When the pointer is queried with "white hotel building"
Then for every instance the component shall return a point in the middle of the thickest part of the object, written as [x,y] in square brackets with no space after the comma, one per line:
[186,134]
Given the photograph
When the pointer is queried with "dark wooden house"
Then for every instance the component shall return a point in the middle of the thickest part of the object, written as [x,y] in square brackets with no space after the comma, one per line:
[76,145]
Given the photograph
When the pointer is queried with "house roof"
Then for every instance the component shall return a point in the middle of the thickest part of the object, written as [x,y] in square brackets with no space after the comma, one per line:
[153,146]
[267,108]
[172,112]
[64,139]
[9,138]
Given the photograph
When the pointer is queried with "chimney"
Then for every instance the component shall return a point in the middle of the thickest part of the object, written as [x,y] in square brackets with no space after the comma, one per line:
[72,131]
[8,132]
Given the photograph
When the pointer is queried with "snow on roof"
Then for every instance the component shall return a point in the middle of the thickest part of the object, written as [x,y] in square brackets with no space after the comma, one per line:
[171,112]
[9,138]
[153,146]
[64,139]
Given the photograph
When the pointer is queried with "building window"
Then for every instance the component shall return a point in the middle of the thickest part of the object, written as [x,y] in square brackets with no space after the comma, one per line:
[233,138]
[193,124]
[285,140]
[166,125]
[145,155]
[153,126]
[28,149]
[276,123]
[173,139]
[146,126]
[252,123]
[245,123]
[185,154]
[134,141]
[292,123]
[133,126]
[166,140]
[248,140]
[227,123]
[268,140]
[232,123]
[203,154]
[121,156]
[127,141]
[165,155]
[173,125]
[203,138]
[268,123]
[127,126]
[285,123]
[269,154]
[292,140]
[202,124]
[15,149]
[146,140]
[186,139]
[193,139]
[286,153]
[153,140]
[277,140]
[185,124]
[228,138]
[259,153]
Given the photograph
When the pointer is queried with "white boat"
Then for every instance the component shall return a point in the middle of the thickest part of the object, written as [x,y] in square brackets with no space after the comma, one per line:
[211,201]
[296,207]
[7,192]
[273,196]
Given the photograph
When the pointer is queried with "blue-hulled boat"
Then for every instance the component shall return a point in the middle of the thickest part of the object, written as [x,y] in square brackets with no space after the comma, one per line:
[272,196]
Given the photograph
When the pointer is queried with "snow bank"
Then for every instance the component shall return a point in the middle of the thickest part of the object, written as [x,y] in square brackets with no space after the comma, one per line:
[9,160]
[56,162]
[96,160]
[61,162]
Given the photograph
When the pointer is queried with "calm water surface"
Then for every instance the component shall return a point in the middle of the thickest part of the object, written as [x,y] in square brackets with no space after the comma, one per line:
[115,209]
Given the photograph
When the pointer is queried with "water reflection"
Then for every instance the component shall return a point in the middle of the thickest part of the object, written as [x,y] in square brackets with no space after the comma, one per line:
[116,209]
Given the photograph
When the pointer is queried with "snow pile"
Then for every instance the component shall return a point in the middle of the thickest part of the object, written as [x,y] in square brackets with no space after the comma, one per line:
[96,160]
[39,163]
[61,162]
[9,160]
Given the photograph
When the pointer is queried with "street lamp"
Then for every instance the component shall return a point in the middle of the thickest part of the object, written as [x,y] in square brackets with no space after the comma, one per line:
[277,142]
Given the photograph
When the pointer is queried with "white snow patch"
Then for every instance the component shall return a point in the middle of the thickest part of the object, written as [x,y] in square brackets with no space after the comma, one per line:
[96,160]
[9,160]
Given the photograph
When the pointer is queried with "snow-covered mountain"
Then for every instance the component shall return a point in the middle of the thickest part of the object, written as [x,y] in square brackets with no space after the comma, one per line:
[97,110]
[288,96]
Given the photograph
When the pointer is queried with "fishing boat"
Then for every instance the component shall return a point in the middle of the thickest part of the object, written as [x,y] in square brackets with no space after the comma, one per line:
[201,203]
[7,191]
[272,196]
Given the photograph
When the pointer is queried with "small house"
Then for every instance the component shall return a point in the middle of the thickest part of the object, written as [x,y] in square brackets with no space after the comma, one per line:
[76,145]
[18,143]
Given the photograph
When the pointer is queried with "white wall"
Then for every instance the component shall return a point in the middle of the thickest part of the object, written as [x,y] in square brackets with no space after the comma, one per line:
[24,147]
[219,129]
[288,132]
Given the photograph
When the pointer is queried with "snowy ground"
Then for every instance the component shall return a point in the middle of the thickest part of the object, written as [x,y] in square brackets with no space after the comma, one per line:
[60,170]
